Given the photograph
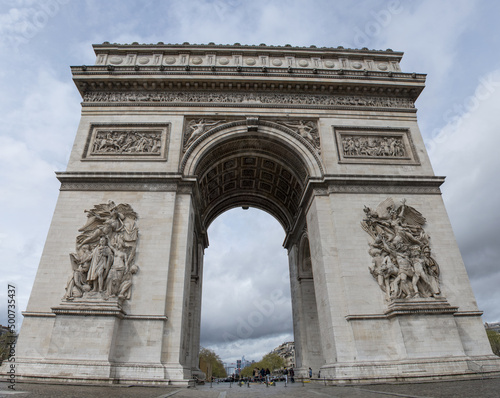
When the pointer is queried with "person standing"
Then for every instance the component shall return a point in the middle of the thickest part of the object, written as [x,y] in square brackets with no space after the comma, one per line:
[310,372]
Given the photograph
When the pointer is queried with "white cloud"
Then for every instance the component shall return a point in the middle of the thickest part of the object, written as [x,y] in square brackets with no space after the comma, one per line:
[246,286]
[28,191]
[38,127]
[466,151]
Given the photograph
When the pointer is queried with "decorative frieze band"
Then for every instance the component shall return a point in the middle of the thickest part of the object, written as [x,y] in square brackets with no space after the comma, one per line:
[249,98]
[269,58]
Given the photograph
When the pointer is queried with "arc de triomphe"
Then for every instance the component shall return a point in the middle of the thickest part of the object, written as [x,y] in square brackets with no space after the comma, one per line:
[324,139]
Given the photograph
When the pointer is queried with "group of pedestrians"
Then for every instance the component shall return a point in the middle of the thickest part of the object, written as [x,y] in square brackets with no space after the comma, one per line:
[262,374]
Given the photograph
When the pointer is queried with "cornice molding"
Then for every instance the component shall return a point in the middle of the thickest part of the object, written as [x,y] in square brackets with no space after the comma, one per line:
[338,183]
[112,181]
[370,184]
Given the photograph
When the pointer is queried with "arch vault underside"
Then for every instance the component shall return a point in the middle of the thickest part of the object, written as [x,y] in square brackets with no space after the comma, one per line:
[326,140]
[252,168]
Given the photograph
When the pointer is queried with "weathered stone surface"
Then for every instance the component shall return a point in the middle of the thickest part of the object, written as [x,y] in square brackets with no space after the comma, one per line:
[181,134]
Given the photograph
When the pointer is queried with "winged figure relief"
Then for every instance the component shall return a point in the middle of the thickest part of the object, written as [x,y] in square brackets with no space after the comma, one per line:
[401,255]
[196,128]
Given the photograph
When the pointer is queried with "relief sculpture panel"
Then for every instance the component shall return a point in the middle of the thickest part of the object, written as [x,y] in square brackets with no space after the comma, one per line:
[402,263]
[375,145]
[139,142]
[104,261]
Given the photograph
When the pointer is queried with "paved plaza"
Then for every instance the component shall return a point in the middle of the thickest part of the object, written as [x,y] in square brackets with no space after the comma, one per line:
[461,388]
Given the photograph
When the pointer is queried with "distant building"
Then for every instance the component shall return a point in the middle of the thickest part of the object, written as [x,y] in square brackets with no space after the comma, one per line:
[493,326]
[230,368]
[245,363]
[287,352]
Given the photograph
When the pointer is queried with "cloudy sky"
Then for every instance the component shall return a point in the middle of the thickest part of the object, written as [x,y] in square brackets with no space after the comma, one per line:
[246,305]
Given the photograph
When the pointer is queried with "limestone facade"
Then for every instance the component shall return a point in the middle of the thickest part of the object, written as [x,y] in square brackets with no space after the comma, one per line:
[314,136]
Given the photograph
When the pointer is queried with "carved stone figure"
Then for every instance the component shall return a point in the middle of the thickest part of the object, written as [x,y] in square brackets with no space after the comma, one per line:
[116,271]
[77,283]
[402,262]
[196,129]
[382,269]
[102,256]
[105,254]
[126,283]
[307,130]
[432,269]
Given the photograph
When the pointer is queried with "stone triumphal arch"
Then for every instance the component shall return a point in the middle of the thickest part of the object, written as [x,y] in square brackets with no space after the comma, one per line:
[324,139]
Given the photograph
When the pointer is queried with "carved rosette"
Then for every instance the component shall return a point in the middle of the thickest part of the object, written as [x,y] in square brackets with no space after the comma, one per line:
[402,263]
[104,261]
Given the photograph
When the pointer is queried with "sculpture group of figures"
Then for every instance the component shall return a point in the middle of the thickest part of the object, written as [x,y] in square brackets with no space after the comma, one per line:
[264,98]
[373,146]
[103,264]
[123,142]
[402,263]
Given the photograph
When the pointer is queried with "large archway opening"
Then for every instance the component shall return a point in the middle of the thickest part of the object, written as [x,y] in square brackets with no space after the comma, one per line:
[246,303]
